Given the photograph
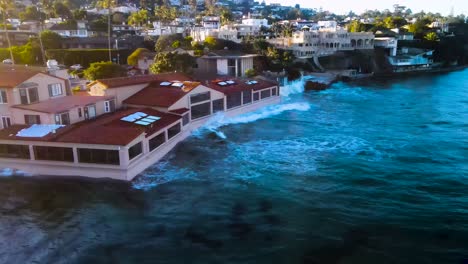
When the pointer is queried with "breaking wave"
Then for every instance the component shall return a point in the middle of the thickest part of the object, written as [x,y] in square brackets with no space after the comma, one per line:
[160,173]
[220,120]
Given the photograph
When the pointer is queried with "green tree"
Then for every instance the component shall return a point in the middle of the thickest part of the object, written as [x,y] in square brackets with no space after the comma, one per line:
[133,58]
[419,28]
[431,36]
[250,73]
[165,14]
[61,10]
[51,40]
[79,14]
[226,16]
[139,18]
[210,42]
[164,42]
[103,70]
[356,26]
[169,62]
[31,13]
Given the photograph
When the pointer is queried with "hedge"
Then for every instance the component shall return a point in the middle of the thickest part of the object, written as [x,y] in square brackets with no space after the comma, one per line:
[85,57]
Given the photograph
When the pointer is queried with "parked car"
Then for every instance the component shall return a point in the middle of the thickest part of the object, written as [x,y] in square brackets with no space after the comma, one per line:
[7,61]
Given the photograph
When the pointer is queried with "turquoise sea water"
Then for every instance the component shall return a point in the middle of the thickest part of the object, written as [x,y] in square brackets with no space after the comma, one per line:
[375,172]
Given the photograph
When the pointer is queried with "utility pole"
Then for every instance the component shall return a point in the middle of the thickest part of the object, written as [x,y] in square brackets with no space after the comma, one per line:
[109,28]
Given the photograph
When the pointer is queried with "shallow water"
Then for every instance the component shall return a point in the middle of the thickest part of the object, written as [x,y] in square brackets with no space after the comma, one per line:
[374,172]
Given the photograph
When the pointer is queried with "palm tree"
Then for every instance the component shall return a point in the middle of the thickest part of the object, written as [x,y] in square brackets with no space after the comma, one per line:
[5,5]
[108,4]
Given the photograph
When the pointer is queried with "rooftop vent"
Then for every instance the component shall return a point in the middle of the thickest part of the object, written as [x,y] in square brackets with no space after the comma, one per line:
[251,82]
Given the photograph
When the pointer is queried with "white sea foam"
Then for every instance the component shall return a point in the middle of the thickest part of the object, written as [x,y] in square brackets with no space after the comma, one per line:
[161,173]
[220,120]
[293,87]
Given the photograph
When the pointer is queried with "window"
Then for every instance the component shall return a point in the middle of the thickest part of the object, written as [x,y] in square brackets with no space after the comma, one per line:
[233,100]
[6,121]
[3,97]
[55,89]
[247,97]
[90,112]
[109,106]
[32,119]
[135,150]
[157,141]
[256,97]
[273,92]
[14,151]
[80,113]
[266,93]
[28,95]
[174,130]
[200,97]
[218,105]
[53,153]
[231,67]
[98,156]
[201,110]
[62,119]
[185,119]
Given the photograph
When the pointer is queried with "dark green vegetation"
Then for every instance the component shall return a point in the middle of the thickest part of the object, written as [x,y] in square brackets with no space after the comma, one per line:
[85,57]
[103,70]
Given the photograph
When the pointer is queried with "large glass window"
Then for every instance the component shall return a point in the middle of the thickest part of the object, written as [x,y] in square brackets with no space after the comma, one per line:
[273,92]
[231,67]
[32,119]
[266,93]
[62,119]
[233,100]
[200,97]
[157,141]
[174,130]
[90,111]
[109,106]
[55,89]
[256,96]
[200,110]
[185,119]
[6,121]
[14,151]
[3,97]
[98,156]
[28,95]
[247,97]
[135,150]
[53,153]
[218,105]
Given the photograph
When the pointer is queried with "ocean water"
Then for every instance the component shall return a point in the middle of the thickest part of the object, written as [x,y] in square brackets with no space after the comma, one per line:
[372,172]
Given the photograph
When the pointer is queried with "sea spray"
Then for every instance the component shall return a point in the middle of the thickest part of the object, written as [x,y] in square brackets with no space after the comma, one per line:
[220,120]
[293,87]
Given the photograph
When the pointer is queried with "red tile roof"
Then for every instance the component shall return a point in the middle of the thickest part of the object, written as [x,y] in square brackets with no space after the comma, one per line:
[141,79]
[62,104]
[157,95]
[12,76]
[107,129]
[11,79]
[240,85]
[110,130]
